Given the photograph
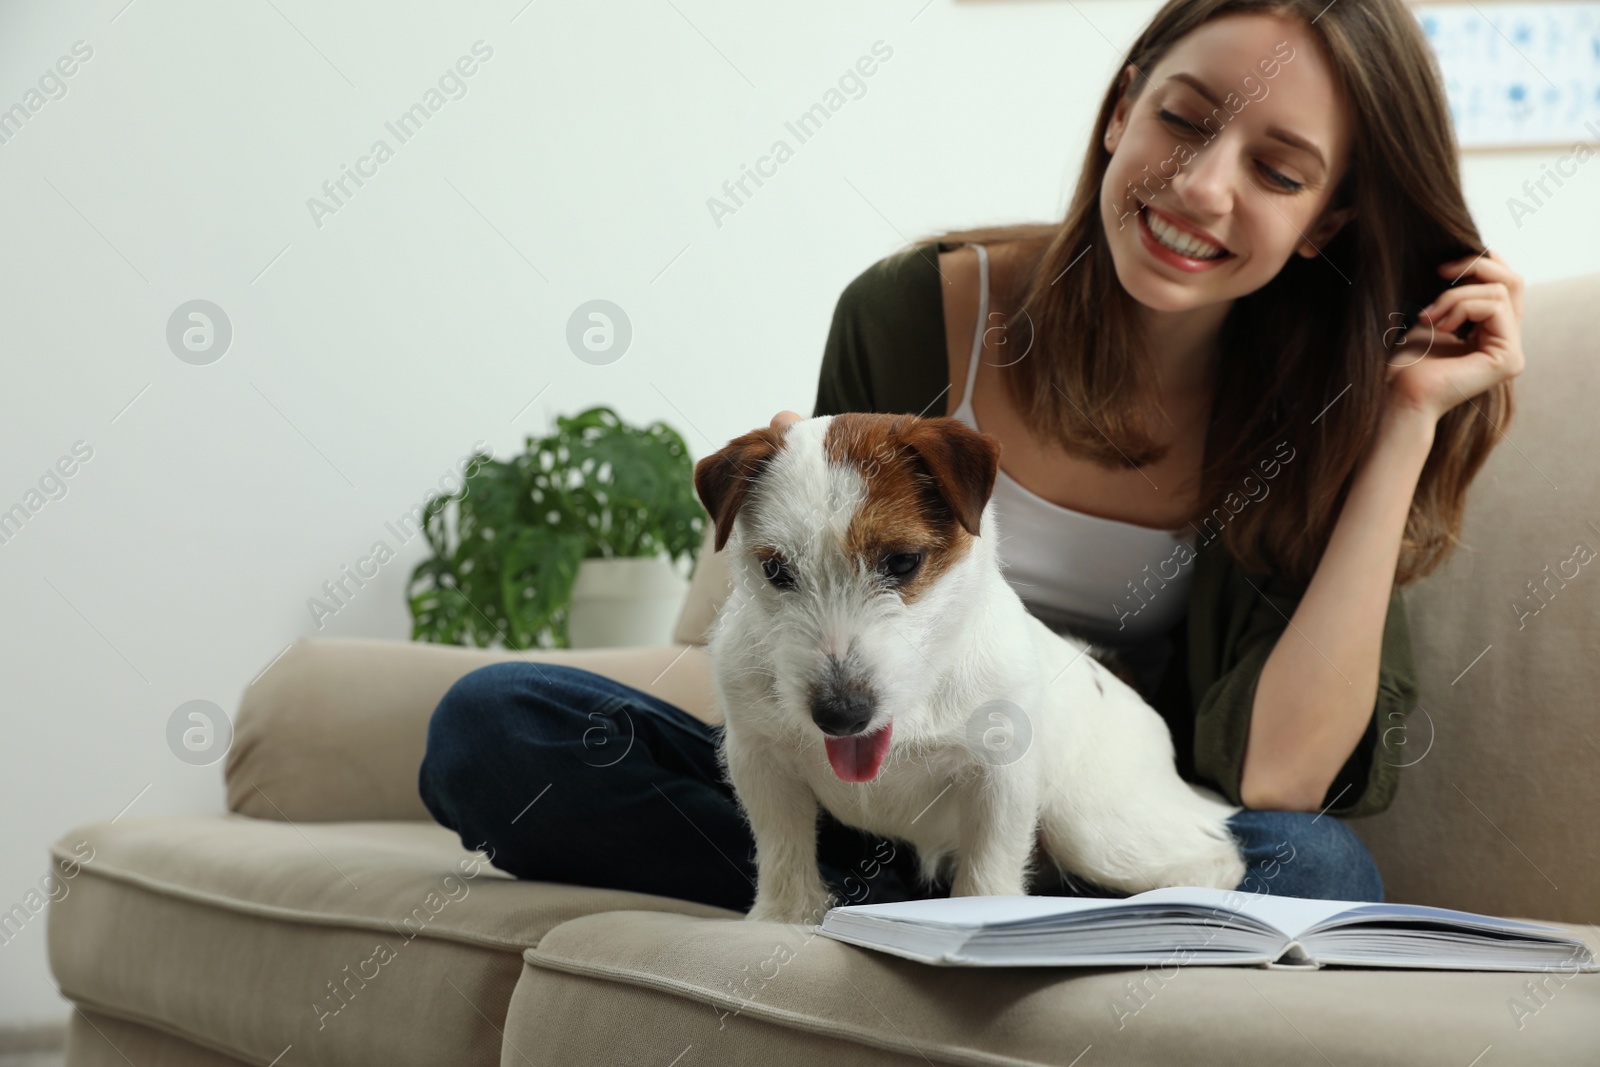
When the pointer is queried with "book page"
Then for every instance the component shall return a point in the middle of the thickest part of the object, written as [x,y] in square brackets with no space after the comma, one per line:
[975,912]
[1292,916]
[1289,915]
[1467,919]
[1298,916]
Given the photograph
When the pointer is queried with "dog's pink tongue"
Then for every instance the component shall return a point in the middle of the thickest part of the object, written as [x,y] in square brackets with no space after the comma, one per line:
[859,757]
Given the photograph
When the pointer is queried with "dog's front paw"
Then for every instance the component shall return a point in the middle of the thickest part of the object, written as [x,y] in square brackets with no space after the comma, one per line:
[807,905]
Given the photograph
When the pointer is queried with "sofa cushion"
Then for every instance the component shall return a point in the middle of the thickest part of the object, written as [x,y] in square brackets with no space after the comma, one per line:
[380,942]
[748,992]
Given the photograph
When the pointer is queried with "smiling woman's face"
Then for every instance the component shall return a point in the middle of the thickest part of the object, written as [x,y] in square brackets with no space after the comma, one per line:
[1249,187]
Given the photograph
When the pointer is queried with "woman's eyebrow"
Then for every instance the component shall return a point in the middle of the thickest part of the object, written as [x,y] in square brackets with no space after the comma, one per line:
[1289,138]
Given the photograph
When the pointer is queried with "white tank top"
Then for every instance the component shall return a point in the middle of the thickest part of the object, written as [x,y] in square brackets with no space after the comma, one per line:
[1081,572]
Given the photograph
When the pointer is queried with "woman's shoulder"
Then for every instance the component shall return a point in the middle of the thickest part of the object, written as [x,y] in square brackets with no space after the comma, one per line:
[886,347]
[899,281]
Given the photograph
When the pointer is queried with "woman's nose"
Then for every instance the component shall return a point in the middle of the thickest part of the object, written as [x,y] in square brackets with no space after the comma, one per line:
[1205,183]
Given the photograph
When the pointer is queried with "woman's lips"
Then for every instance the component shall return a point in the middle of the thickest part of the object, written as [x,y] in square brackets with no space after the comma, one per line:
[1167,255]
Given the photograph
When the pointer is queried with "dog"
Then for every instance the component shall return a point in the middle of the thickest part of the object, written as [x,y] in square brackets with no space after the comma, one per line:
[872,659]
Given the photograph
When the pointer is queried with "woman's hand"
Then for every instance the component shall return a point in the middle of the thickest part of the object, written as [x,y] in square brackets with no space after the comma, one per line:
[782,419]
[1432,370]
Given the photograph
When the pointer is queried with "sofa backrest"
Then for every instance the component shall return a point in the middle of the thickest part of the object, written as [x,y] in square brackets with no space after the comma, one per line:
[1497,804]
[708,590]
[335,729]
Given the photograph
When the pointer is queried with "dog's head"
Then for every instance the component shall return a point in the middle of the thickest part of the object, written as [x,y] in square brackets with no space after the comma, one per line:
[856,545]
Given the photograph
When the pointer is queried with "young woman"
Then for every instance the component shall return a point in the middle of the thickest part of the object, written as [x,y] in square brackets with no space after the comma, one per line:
[1230,435]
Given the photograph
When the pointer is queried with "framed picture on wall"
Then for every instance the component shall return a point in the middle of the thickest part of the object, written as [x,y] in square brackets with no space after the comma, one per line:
[1519,74]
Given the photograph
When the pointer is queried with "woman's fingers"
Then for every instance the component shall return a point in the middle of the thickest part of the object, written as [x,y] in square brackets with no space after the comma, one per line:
[1487,268]
[1458,369]
[1445,313]
[783,418]
[1497,330]
[1478,309]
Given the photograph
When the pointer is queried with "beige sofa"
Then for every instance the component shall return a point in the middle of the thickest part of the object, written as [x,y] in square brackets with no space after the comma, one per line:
[220,939]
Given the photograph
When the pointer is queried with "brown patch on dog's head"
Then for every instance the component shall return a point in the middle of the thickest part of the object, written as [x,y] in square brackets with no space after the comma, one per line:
[723,479]
[927,482]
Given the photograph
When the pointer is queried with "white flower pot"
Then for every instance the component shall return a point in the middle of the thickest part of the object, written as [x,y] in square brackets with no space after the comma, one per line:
[623,602]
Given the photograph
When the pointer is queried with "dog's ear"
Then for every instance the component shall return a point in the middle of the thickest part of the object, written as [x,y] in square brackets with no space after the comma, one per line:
[723,479]
[963,463]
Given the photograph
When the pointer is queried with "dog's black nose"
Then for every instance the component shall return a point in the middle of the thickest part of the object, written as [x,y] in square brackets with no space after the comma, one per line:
[841,705]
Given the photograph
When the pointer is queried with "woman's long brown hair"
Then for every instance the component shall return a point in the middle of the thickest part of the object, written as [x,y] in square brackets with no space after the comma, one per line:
[1303,358]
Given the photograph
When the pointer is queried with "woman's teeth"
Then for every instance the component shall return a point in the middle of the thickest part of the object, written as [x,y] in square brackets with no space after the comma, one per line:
[1179,241]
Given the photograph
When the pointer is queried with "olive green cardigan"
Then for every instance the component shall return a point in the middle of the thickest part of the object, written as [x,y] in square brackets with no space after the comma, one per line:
[886,353]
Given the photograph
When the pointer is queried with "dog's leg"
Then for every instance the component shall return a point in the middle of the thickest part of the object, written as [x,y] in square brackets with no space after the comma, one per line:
[1130,824]
[1147,842]
[998,829]
[782,812]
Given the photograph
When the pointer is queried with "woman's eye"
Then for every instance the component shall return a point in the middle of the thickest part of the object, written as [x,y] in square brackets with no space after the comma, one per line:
[902,564]
[1177,120]
[777,572]
[1281,181]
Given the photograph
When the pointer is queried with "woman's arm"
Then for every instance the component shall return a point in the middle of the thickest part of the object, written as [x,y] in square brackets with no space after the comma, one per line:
[1316,692]
[1318,687]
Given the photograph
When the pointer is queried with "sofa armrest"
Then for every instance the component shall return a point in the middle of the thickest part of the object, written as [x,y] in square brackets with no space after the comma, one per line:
[335,730]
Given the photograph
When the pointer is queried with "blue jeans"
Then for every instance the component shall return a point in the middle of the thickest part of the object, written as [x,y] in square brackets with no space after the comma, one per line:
[560,774]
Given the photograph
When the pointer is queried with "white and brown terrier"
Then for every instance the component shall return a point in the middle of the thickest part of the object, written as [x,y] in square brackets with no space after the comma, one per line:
[872,659]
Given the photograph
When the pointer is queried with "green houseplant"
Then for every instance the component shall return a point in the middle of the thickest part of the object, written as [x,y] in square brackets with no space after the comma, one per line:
[597,488]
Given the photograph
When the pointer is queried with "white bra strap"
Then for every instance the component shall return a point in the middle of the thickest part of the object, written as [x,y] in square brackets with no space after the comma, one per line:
[983,318]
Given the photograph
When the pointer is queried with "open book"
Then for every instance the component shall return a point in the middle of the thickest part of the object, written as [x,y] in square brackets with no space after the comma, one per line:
[1193,925]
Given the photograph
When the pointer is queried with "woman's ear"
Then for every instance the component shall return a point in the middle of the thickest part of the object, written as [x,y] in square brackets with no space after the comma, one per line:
[1119,114]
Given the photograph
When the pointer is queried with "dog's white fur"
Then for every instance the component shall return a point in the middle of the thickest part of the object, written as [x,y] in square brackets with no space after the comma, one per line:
[1095,785]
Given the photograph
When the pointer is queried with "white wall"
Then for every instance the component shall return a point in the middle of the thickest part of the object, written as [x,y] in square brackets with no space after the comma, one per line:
[432,307]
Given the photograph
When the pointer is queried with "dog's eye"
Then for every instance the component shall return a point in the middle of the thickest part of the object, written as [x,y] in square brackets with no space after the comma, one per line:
[777,572]
[902,564]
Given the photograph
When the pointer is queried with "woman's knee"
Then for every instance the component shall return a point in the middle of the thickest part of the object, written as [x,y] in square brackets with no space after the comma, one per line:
[495,700]
[492,712]
[1301,854]
[469,713]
